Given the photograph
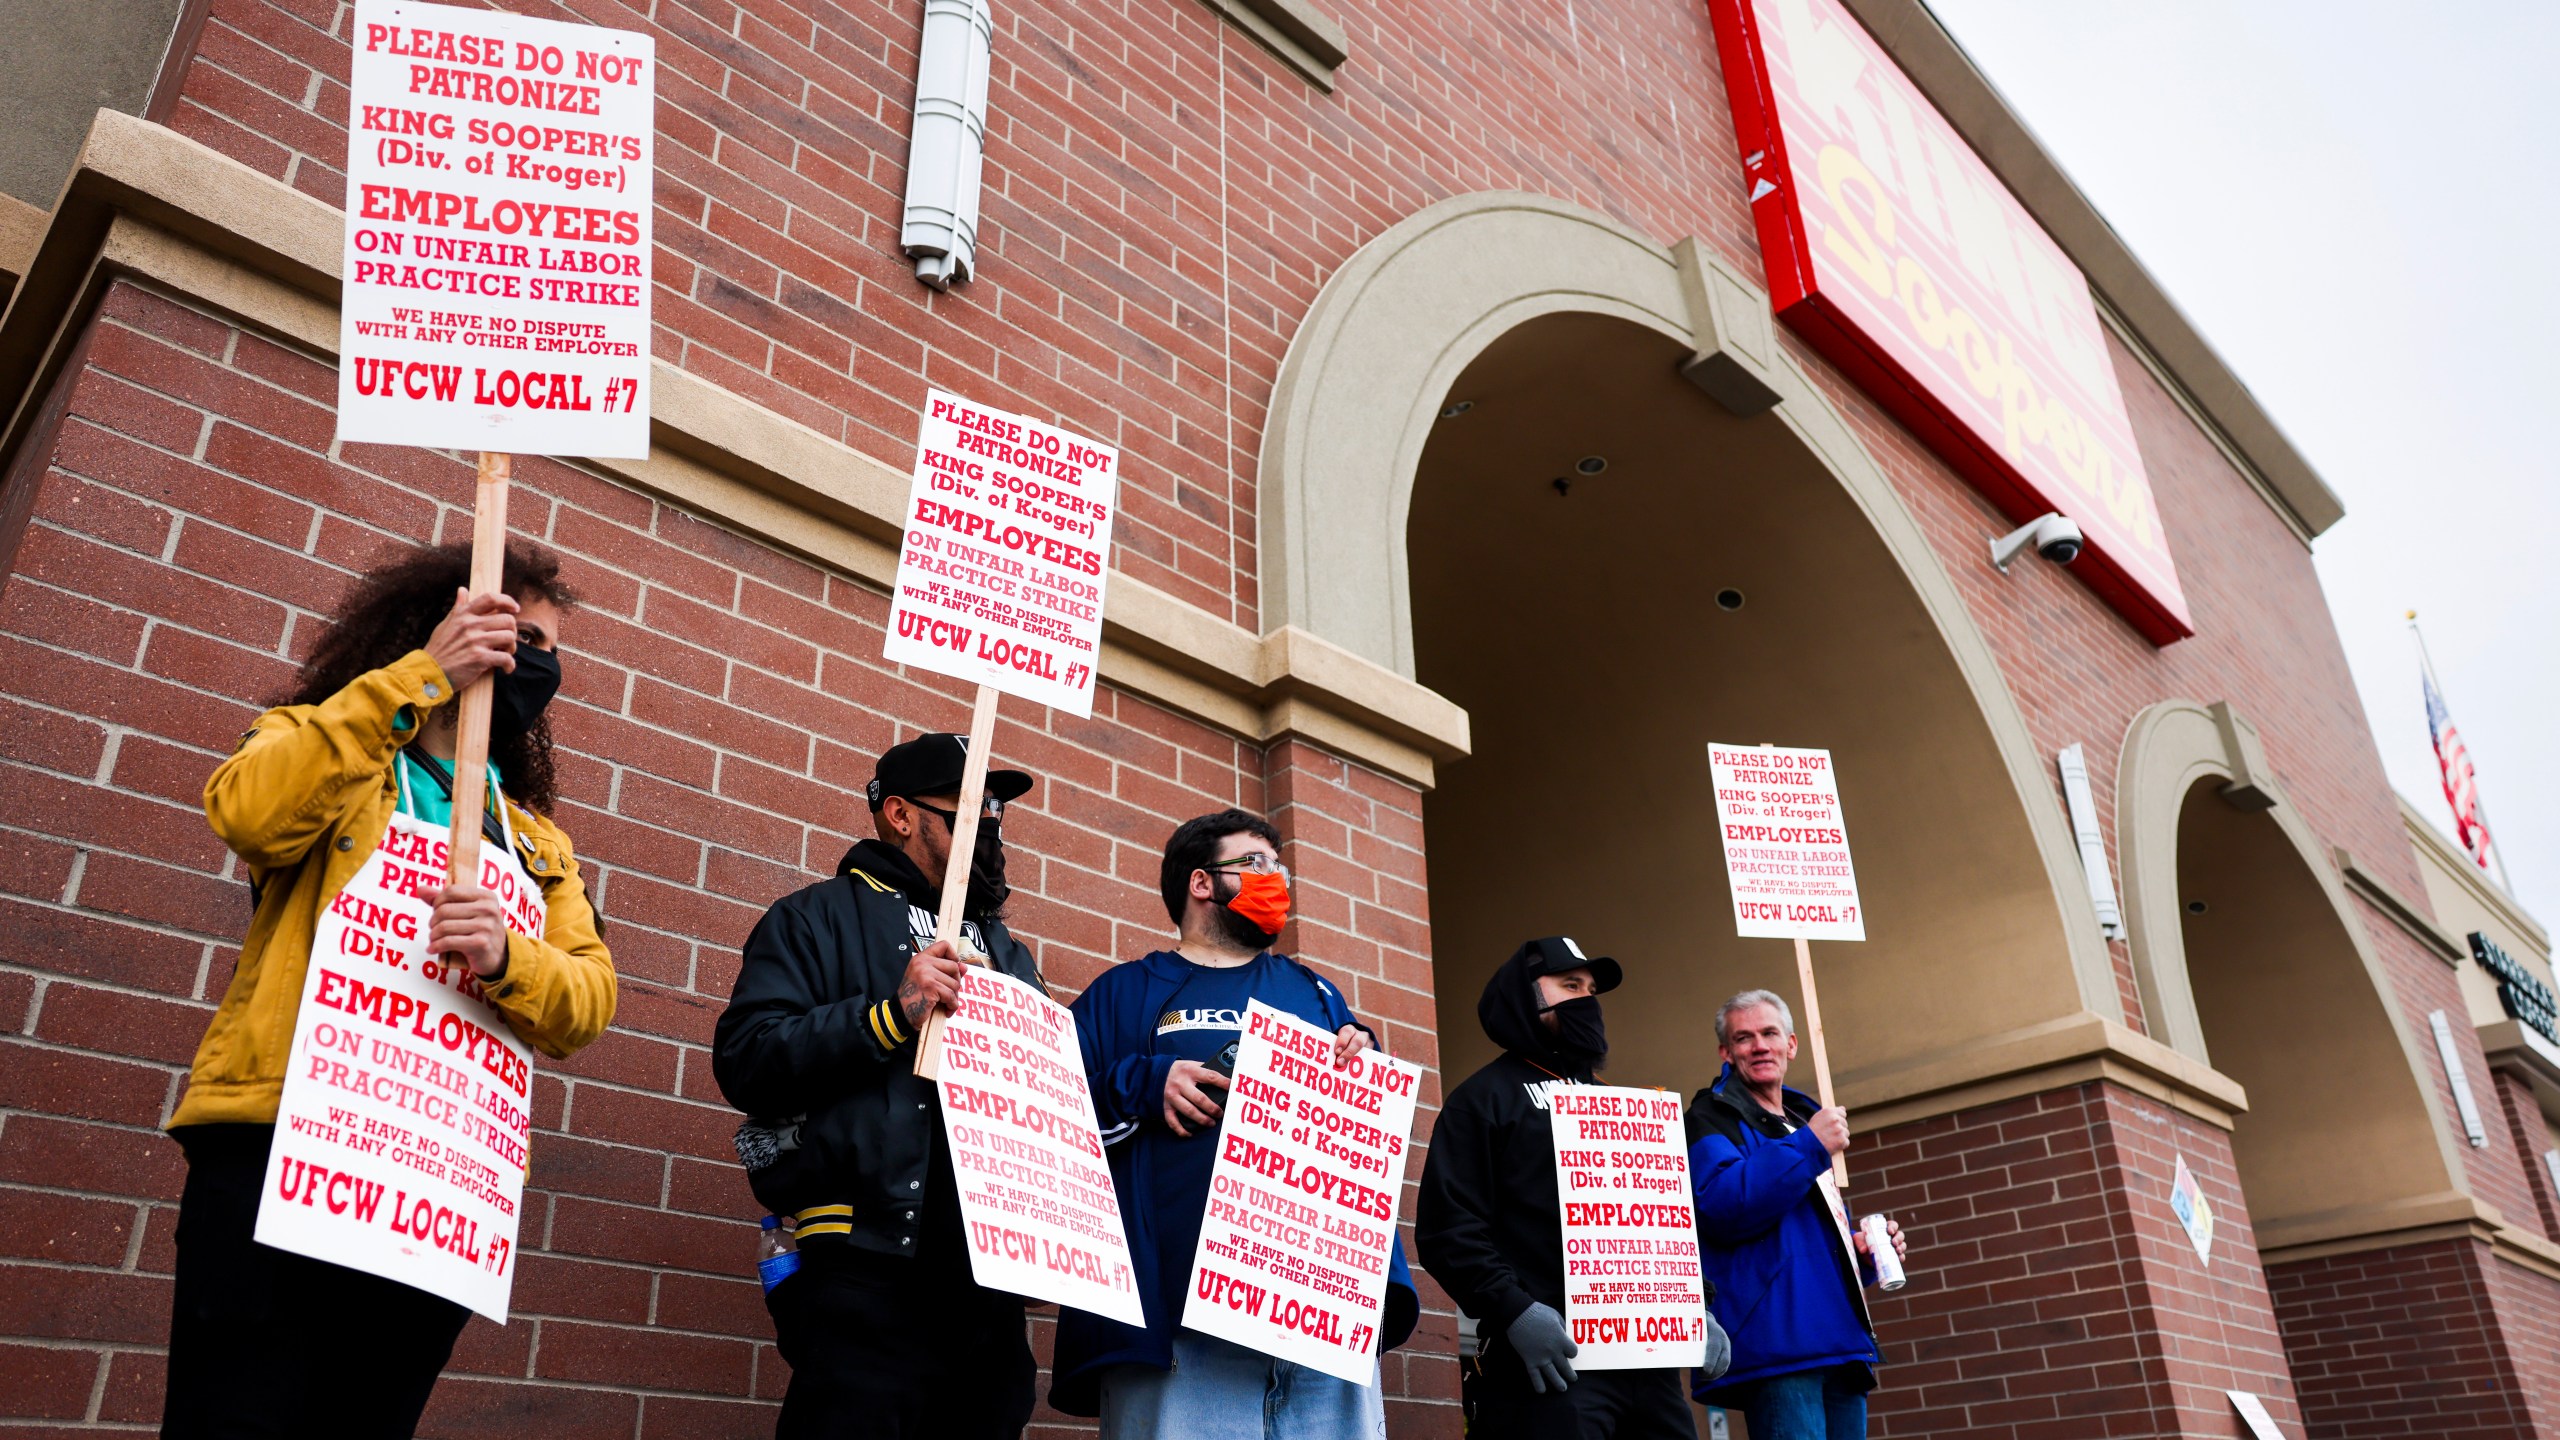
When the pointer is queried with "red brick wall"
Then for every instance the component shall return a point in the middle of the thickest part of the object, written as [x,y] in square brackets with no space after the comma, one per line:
[2052,1291]
[2401,1342]
[720,708]
[2531,1135]
[1163,200]
[2529,1317]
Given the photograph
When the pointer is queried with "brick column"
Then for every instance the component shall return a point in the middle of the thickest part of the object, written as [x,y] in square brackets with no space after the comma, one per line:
[2053,1292]
[1353,838]
[2403,1341]
[2533,1137]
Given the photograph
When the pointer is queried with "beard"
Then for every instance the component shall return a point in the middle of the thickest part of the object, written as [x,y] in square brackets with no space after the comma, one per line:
[1241,932]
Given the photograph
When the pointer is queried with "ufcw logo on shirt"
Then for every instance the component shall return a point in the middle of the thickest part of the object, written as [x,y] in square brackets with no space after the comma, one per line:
[1173,1021]
[1539,1092]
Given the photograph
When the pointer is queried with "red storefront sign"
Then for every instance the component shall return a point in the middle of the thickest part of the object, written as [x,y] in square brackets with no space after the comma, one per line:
[1895,252]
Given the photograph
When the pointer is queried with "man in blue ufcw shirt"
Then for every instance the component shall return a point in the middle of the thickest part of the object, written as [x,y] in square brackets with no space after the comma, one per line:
[1160,1036]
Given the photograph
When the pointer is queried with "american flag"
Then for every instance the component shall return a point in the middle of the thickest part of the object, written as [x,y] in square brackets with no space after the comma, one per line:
[2461,782]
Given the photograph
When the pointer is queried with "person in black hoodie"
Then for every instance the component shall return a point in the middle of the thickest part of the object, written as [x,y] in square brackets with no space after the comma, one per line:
[886,1331]
[1489,1228]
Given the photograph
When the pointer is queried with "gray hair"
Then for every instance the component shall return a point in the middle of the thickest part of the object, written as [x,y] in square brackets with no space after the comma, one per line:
[1745,1001]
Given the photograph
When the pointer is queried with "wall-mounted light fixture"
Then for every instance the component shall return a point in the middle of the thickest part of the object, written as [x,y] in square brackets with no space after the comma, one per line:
[946,152]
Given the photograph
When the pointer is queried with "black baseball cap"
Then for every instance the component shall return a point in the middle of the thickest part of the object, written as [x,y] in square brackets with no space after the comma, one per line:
[1556,954]
[931,765]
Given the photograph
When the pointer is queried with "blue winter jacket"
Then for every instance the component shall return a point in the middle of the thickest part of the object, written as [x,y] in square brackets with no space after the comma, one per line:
[1116,1020]
[1784,1288]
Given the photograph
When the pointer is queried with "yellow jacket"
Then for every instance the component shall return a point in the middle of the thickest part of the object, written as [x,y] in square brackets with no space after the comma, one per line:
[304,801]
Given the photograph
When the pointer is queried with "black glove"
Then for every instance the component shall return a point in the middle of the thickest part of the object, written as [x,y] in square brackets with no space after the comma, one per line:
[1719,1351]
[1538,1338]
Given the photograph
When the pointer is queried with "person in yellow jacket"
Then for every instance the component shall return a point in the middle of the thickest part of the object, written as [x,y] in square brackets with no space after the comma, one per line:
[268,1343]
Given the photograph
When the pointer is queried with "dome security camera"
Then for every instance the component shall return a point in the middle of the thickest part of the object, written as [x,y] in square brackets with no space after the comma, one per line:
[2055,536]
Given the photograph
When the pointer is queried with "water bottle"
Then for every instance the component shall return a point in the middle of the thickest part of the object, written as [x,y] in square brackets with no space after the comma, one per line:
[777,1253]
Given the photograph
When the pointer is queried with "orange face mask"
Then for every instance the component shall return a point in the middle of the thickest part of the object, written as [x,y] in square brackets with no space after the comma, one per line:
[1263,900]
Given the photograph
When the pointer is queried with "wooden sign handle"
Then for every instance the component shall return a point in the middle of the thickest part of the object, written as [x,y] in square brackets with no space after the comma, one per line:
[471,748]
[964,846]
[1821,1055]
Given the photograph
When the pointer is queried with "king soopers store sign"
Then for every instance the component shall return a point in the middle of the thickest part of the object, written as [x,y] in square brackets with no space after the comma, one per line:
[1900,257]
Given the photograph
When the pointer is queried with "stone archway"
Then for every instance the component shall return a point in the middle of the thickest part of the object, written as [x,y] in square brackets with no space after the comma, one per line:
[2252,958]
[1357,409]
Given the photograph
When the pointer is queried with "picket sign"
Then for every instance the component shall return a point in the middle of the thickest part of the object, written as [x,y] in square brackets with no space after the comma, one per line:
[1000,574]
[496,298]
[1634,1296]
[1786,850]
[1033,1179]
[1300,1229]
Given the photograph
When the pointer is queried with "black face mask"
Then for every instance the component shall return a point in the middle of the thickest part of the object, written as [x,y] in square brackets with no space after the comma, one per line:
[987,888]
[1579,1031]
[518,697]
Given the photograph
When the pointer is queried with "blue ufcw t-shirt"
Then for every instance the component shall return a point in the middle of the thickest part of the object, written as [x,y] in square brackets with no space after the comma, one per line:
[1204,1021]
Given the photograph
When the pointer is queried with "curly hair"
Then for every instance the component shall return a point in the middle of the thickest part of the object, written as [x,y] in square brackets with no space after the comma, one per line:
[394,609]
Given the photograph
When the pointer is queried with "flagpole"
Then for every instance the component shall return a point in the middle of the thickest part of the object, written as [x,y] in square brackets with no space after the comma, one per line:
[2479,806]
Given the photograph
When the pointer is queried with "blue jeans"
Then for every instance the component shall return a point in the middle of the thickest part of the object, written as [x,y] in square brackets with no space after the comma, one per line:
[1220,1391]
[1808,1405]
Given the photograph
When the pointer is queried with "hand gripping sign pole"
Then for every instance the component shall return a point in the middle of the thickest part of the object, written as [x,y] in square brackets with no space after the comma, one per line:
[1000,576]
[471,747]
[955,875]
[1821,1053]
[1786,850]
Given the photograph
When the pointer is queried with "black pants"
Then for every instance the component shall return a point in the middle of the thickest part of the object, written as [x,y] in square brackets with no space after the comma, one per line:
[1598,1405]
[889,1349]
[275,1346]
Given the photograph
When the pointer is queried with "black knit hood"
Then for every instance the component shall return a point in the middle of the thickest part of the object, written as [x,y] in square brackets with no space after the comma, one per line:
[1508,1010]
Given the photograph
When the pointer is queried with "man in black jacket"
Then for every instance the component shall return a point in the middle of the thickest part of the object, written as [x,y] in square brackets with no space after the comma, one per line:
[886,1332]
[1489,1228]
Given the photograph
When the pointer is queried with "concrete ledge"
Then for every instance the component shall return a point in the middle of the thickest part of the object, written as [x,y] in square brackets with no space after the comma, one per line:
[2070,1051]
[2444,1215]
[2515,1048]
[2368,887]
[1304,38]
[21,227]
[2436,851]
[2420,1220]
[148,203]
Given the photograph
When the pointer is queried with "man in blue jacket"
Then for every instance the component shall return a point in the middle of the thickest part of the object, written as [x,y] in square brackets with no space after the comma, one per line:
[1160,1036]
[1787,1273]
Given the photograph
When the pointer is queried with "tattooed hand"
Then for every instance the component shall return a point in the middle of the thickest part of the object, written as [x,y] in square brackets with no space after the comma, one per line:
[932,982]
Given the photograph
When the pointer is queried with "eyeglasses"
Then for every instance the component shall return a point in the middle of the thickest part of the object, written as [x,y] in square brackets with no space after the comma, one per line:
[1257,862]
[993,809]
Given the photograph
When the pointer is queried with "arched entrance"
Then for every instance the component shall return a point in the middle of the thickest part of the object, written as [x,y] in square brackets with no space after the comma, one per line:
[1608,570]
[2253,960]
[1581,632]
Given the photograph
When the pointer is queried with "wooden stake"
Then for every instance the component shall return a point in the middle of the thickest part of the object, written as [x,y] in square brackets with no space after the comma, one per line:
[1821,1057]
[964,847]
[471,748]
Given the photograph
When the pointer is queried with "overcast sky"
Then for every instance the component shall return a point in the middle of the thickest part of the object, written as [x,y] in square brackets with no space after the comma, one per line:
[2353,201]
